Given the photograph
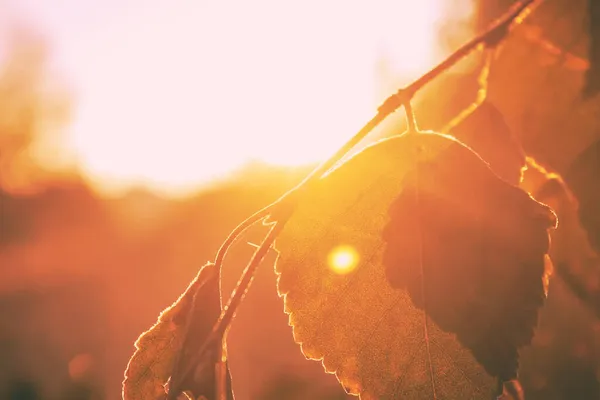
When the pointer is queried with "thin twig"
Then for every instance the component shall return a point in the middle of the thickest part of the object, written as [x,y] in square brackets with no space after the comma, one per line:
[254,218]
[482,92]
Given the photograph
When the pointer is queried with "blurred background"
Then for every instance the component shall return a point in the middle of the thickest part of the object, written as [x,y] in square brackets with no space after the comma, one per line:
[134,135]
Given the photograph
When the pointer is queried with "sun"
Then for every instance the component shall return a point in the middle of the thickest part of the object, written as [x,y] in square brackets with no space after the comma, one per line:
[180,98]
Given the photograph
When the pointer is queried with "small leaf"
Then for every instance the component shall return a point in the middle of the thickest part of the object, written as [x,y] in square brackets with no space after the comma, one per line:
[153,362]
[413,271]
[201,380]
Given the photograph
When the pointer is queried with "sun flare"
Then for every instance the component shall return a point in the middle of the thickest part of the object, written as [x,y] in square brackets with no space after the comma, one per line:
[343,259]
[175,98]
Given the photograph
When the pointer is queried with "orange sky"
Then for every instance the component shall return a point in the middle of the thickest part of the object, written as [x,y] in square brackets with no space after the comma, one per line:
[175,94]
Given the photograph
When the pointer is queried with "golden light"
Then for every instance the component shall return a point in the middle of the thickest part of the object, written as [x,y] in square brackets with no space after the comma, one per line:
[343,259]
[174,97]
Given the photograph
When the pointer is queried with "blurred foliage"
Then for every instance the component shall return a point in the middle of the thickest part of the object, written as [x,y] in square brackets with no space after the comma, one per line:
[81,268]
[33,108]
[584,180]
[43,331]
[537,80]
[592,86]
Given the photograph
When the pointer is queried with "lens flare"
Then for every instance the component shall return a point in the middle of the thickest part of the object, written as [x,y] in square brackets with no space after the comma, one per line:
[343,259]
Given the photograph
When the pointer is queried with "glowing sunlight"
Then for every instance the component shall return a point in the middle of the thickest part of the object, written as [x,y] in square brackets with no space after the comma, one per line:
[173,97]
[343,259]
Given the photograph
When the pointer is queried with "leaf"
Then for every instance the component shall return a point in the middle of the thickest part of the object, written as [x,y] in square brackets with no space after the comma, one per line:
[482,257]
[157,349]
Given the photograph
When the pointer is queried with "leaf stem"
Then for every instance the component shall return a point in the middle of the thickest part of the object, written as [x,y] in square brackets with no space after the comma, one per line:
[411,120]
[237,231]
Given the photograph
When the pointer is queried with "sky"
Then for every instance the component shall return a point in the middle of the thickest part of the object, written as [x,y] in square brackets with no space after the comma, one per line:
[173,94]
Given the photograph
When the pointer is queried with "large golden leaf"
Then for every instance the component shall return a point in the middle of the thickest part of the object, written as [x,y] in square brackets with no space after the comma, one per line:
[412,270]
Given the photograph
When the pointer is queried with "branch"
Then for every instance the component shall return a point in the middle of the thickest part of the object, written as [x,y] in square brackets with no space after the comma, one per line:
[491,37]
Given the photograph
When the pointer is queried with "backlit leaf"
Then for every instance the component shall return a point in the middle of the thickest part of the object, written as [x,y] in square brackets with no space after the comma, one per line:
[412,270]
[201,380]
[153,362]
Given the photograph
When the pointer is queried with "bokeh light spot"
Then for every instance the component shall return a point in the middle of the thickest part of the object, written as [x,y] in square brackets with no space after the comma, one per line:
[343,259]
[80,365]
